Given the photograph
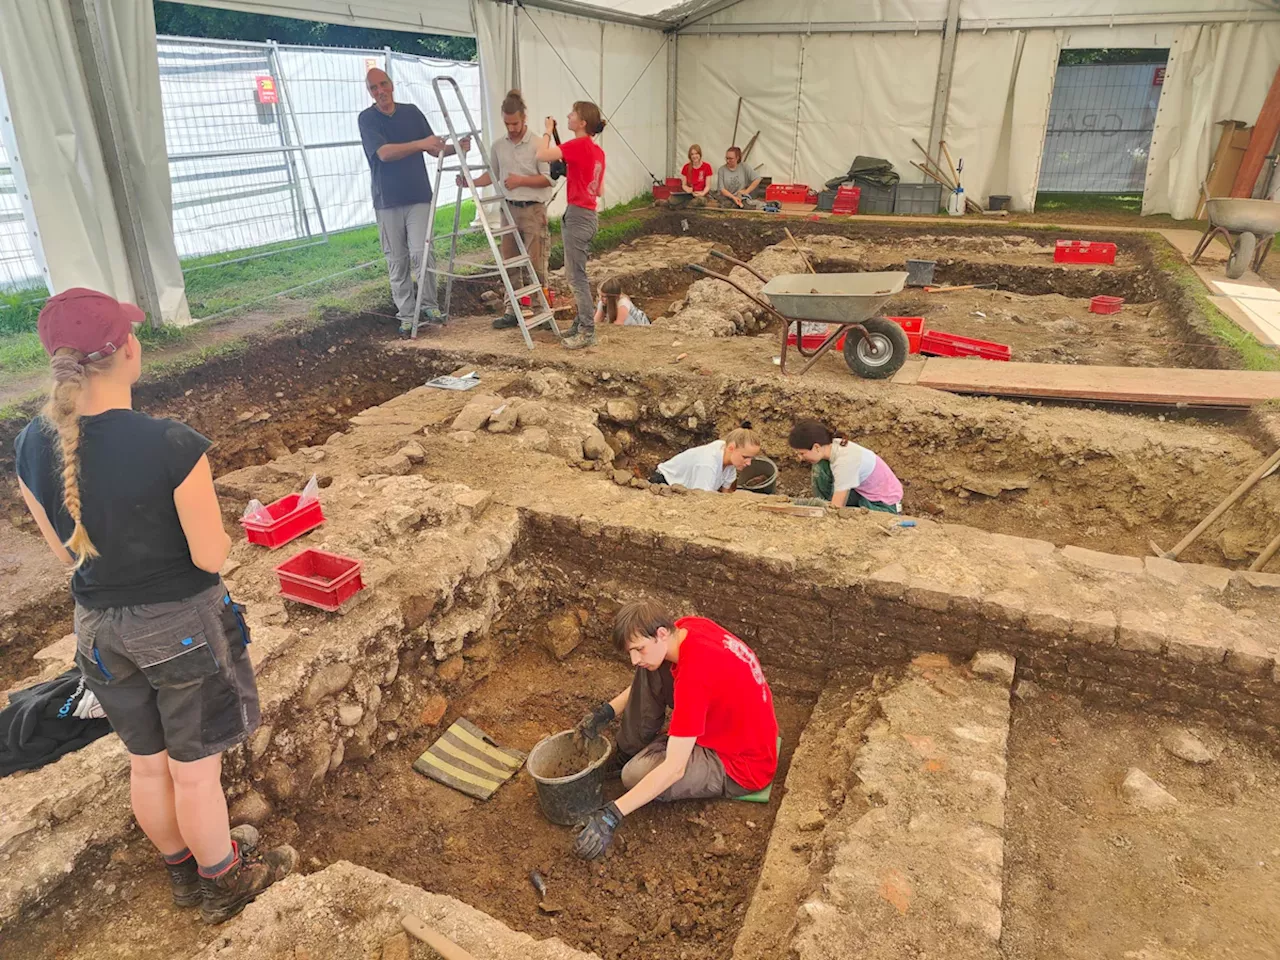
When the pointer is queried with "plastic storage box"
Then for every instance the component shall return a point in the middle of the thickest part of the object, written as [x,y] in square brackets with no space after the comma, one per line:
[1083,251]
[1106,304]
[914,327]
[826,200]
[320,579]
[939,344]
[846,200]
[876,199]
[288,522]
[918,198]
[790,193]
[661,192]
[675,183]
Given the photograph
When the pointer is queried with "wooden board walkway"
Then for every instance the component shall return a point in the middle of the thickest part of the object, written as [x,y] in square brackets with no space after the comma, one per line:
[1154,385]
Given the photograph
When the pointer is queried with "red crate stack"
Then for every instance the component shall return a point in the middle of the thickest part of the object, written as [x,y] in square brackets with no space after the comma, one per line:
[846,201]
[1084,251]
[790,193]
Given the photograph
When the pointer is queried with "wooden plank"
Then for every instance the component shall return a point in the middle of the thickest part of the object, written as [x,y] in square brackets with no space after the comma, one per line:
[1260,141]
[1156,385]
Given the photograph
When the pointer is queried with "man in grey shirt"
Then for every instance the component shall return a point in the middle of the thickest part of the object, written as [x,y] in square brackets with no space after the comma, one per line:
[526,184]
[395,136]
[735,181]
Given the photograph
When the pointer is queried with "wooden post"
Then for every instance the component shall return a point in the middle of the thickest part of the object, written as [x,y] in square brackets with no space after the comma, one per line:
[1264,135]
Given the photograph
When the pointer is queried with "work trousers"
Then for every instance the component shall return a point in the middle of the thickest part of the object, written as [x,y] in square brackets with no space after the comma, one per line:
[403,232]
[577,231]
[531,221]
[823,484]
[640,737]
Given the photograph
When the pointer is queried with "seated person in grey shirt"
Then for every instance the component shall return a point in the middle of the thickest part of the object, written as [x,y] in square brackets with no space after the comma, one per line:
[735,181]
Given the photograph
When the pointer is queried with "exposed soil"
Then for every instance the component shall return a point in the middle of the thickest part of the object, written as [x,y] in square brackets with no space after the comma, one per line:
[1088,876]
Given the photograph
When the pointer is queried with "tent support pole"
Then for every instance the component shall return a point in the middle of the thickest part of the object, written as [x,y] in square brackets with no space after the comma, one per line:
[946,68]
[105,103]
[673,88]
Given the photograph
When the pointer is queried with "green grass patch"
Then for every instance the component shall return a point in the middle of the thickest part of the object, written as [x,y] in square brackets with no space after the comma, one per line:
[1253,354]
[1127,204]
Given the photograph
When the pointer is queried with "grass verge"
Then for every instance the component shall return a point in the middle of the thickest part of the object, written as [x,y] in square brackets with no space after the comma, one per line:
[1253,355]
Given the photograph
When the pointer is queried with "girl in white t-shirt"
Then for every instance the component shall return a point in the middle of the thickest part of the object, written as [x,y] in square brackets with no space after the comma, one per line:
[713,466]
[614,306]
[844,473]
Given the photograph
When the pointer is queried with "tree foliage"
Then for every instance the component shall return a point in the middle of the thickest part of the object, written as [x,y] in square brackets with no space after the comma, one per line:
[1076,58]
[185,20]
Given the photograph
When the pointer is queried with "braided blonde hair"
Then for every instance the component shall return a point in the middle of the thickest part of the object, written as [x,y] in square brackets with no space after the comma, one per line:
[61,411]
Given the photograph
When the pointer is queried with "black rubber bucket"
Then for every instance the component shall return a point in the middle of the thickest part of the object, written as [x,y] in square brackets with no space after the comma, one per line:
[760,477]
[569,776]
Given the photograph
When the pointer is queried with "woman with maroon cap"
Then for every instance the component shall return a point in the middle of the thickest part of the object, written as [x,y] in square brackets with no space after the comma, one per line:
[127,501]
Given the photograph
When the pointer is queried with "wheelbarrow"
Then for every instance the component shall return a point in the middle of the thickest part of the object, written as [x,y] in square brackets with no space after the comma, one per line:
[845,300]
[1246,226]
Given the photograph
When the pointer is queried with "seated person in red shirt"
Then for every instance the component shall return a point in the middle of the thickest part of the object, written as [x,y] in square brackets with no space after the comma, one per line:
[723,737]
[696,176]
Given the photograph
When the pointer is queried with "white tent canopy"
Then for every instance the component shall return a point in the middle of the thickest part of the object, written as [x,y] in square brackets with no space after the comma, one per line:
[822,80]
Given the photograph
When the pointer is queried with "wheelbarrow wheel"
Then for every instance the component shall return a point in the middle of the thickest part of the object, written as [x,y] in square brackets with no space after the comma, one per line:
[1242,254]
[878,355]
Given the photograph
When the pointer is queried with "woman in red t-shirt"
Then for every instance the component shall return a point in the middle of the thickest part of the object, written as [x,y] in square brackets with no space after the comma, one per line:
[696,176]
[584,172]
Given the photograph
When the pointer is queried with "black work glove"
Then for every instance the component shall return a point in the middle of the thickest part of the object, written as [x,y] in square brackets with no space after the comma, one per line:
[596,836]
[589,727]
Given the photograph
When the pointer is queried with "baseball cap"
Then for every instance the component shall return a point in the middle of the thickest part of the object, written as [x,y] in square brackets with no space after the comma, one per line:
[87,321]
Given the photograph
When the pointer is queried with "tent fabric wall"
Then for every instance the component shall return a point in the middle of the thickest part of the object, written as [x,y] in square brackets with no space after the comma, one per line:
[1216,72]
[713,72]
[998,111]
[70,192]
[438,16]
[890,108]
[638,123]
[495,27]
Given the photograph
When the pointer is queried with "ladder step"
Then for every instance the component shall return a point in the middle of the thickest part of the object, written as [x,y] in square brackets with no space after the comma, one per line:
[516,261]
[470,166]
[494,199]
[539,320]
[528,291]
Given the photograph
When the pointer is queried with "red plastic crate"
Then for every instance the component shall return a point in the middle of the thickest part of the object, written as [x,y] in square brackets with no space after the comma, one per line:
[939,344]
[320,579]
[547,291]
[846,201]
[790,193]
[1106,304]
[661,192]
[1083,251]
[288,522]
[914,327]
[675,183]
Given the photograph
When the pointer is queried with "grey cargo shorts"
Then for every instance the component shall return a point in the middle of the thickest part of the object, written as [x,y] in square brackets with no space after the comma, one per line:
[172,676]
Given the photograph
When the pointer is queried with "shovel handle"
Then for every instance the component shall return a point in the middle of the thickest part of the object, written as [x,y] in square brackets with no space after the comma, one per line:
[437,941]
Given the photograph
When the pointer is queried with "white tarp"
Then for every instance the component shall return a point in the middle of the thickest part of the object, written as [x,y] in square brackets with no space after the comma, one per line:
[427,16]
[1218,71]
[51,115]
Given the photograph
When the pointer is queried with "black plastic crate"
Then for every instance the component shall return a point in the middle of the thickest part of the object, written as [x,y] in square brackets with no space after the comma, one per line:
[876,199]
[826,200]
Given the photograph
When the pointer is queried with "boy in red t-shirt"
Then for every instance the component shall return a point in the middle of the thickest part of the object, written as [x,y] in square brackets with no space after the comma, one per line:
[723,737]
[584,171]
[696,176]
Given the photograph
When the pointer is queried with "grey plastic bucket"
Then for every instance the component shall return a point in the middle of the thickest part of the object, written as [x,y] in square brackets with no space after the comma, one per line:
[568,798]
[760,477]
[920,272]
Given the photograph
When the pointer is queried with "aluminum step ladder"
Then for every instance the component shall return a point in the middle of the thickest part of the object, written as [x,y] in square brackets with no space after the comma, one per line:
[525,282]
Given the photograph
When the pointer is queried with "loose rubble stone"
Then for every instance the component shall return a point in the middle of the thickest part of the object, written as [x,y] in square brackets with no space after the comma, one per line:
[62,651]
[396,465]
[451,670]
[327,681]
[808,822]
[621,477]
[532,413]
[1260,581]
[400,519]
[994,665]
[595,447]
[462,436]
[477,412]
[1026,690]
[252,808]
[475,502]
[561,635]
[433,710]
[349,714]
[535,438]
[1170,571]
[413,450]
[623,411]
[1185,745]
[504,419]
[1143,792]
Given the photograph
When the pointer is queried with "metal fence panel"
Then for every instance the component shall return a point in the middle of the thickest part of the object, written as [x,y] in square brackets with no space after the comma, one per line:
[1100,124]
[22,265]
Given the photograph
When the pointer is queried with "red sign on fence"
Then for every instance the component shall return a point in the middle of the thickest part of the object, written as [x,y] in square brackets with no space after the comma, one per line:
[1158,79]
[266,89]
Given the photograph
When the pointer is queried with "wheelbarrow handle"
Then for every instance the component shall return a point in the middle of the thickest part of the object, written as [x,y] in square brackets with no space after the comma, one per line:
[738,263]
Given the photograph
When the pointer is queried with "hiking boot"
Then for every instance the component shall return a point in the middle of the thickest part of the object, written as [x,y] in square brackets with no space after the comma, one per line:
[228,893]
[433,315]
[574,329]
[406,329]
[583,338]
[184,876]
[506,322]
[184,881]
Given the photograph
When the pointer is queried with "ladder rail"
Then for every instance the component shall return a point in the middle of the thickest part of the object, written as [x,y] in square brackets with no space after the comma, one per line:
[542,312]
